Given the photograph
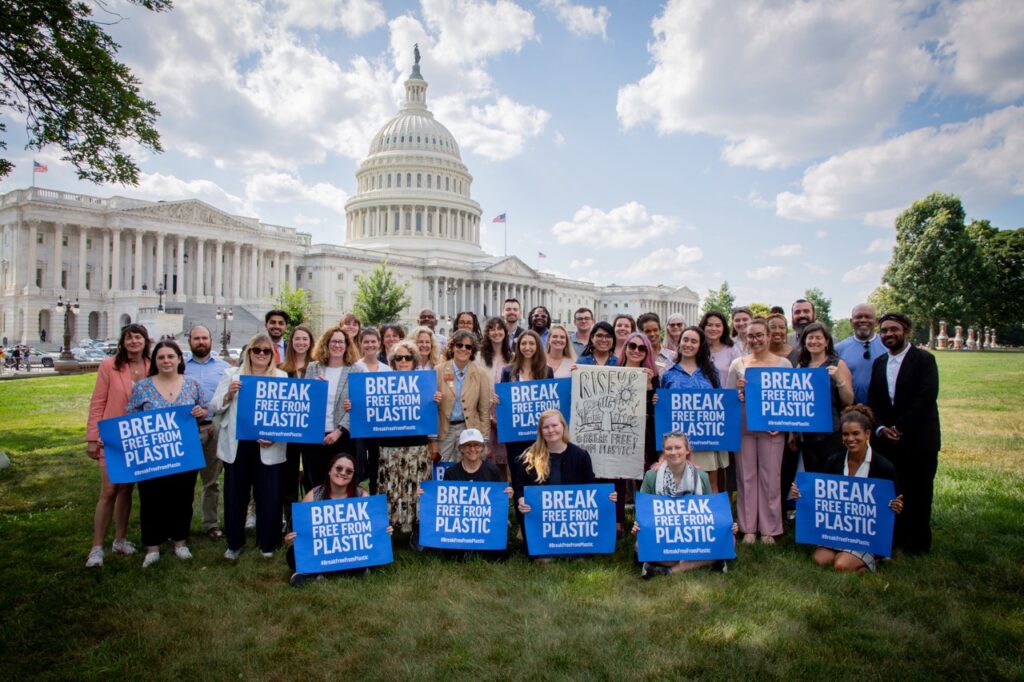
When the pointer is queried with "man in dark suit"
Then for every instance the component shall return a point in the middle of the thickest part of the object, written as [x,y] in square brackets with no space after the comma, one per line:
[903,394]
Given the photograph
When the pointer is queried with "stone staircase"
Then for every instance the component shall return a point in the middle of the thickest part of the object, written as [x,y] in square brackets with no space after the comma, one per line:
[242,327]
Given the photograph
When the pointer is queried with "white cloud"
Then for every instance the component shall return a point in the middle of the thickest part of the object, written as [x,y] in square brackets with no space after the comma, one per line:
[625,226]
[469,31]
[784,250]
[674,261]
[577,264]
[559,139]
[581,20]
[755,199]
[881,245]
[285,188]
[355,17]
[985,47]
[979,159]
[155,186]
[766,272]
[867,272]
[821,234]
[780,81]
[817,269]
[497,131]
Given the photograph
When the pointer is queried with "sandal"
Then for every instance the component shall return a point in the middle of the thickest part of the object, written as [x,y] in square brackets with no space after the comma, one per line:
[215,533]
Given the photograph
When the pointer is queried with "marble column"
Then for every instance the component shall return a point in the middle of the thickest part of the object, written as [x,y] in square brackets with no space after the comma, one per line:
[104,263]
[137,267]
[83,258]
[159,271]
[236,273]
[199,290]
[33,231]
[57,265]
[250,291]
[218,272]
[179,266]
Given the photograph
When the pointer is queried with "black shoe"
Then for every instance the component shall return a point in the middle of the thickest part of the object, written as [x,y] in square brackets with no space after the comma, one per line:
[720,566]
[650,570]
[300,579]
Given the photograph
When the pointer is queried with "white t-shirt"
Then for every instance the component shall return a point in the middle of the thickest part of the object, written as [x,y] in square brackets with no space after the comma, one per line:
[333,376]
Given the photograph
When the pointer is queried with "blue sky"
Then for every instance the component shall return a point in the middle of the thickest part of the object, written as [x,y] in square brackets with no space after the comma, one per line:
[767,143]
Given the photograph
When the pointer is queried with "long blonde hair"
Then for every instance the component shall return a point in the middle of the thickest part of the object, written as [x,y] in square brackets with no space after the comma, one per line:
[537,457]
[415,338]
[264,342]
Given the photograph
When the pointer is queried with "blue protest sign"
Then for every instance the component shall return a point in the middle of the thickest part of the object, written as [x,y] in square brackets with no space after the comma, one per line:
[464,515]
[570,519]
[687,528]
[439,469]
[787,399]
[281,410]
[521,402]
[843,512]
[710,417]
[151,444]
[337,535]
[393,404]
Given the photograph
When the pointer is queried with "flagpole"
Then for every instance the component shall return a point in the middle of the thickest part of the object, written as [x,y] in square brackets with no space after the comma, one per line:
[506,234]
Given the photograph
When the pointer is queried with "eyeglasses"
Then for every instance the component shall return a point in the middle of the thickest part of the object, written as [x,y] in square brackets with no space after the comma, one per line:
[675,324]
[463,346]
[602,336]
[338,342]
[345,471]
[403,358]
[759,336]
[261,351]
[636,347]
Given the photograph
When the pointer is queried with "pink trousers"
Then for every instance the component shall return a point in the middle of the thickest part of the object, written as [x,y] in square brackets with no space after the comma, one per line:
[758,495]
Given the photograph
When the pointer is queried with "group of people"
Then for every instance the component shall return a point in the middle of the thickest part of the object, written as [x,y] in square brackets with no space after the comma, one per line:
[885,419]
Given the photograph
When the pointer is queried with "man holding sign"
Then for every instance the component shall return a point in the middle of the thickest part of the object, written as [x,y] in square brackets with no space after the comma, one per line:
[852,513]
[676,516]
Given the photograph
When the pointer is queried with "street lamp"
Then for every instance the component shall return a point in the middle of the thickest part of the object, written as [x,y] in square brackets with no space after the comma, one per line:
[160,291]
[225,315]
[70,310]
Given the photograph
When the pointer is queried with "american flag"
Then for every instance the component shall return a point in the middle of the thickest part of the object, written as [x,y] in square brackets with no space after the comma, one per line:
[499,218]
[38,167]
[541,254]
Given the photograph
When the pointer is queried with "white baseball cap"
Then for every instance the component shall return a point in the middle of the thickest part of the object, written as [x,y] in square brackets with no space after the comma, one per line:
[471,436]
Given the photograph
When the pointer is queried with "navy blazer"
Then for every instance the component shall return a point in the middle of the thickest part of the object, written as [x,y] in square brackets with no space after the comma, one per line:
[880,467]
[915,413]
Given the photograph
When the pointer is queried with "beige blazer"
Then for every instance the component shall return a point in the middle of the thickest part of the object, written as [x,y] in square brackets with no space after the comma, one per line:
[477,388]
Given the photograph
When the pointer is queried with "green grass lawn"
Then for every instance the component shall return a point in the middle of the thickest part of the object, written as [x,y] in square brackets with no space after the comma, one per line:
[958,612]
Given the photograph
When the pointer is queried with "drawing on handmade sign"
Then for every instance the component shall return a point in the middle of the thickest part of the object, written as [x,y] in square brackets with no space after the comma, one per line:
[609,416]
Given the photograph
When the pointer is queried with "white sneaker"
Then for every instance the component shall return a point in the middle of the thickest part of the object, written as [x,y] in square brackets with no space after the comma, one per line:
[232,554]
[267,555]
[250,521]
[95,559]
[151,558]
[123,546]
[182,553]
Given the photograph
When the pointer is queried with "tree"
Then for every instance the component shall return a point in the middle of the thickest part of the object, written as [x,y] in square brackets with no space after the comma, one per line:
[934,262]
[842,329]
[60,73]
[298,304]
[379,296]
[822,306]
[721,300]
[760,309]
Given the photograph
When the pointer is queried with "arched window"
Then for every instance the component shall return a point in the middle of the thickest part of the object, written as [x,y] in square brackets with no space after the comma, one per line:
[419,179]
[389,180]
[446,185]
[408,179]
[428,181]
[398,179]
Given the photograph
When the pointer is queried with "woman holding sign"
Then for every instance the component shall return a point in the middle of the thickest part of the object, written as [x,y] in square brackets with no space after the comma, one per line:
[165,503]
[818,350]
[493,356]
[528,364]
[759,464]
[677,477]
[297,357]
[249,464]
[466,393]
[559,352]
[694,369]
[332,362]
[114,380]
[426,348]
[550,460]
[859,461]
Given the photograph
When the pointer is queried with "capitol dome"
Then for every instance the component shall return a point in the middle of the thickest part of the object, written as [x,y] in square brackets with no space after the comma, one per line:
[413,190]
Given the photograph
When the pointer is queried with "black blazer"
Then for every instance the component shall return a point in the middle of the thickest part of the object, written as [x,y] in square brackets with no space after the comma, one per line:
[880,467]
[916,412]
[576,469]
[506,374]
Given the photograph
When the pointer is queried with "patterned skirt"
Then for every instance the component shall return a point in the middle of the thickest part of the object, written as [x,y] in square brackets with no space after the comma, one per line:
[401,471]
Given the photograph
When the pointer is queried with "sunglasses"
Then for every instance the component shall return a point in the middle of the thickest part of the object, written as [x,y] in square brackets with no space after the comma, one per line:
[463,346]
[344,470]
[636,347]
[403,358]
[261,351]
[867,350]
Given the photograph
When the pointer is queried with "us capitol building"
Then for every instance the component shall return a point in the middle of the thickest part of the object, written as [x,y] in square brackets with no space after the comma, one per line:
[120,257]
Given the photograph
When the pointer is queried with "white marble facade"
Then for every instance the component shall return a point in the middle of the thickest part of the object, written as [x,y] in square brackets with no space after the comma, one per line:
[412,208]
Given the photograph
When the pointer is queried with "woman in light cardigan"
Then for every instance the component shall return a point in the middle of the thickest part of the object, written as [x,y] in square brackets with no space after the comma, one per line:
[249,464]
[333,361]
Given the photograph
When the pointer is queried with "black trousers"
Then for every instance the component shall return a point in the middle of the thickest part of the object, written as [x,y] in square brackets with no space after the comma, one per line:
[916,473]
[316,456]
[367,452]
[290,491]
[165,508]
[816,452]
[248,472]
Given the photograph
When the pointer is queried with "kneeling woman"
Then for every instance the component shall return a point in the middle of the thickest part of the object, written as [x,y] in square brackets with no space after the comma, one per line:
[677,476]
[551,460]
[340,484]
[857,423]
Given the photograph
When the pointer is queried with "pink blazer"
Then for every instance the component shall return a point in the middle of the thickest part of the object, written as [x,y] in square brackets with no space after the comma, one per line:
[110,396]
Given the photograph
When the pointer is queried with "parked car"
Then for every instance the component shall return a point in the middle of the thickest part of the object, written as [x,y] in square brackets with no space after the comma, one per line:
[235,353]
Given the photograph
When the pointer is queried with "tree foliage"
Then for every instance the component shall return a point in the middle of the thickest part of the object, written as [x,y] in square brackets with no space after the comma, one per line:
[298,304]
[842,329]
[60,73]
[822,306]
[760,309]
[379,296]
[935,261]
[721,300]
[1001,283]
